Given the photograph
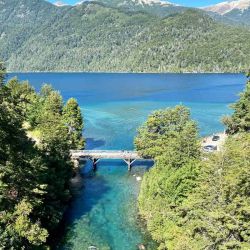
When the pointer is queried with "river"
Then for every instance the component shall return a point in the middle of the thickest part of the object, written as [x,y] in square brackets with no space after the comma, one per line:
[104,213]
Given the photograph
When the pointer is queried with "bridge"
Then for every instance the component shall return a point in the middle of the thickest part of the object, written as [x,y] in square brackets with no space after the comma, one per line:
[96,155]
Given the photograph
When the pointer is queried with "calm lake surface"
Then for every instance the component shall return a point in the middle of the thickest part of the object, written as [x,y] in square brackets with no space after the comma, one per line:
[104,214]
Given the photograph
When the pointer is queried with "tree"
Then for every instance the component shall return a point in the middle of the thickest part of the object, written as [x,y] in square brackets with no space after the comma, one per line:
[46,90]
[163,190]
[2,73]
[73,120]
[54,142]
[34,175]
[216,214]
[23,95]
[171,138]
[198,203]
[21,177]
[240,119]
[168,131]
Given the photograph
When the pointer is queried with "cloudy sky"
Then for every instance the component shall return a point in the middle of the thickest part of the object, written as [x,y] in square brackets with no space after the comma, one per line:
[195,3]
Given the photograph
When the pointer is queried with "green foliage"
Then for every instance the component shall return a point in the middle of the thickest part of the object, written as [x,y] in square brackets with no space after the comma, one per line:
[196,203]
[25,228]
[73,120]
[92,37]
[169,132]
[170,137]
[240,120]
[23,95]
[152,8]
[2,74]
[202,205]
[34,172]
[164,188]
[216,214]
[21,169]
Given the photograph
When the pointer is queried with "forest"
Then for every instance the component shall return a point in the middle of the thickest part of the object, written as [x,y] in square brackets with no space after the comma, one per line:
[37,131]
[38,36]
[191,199]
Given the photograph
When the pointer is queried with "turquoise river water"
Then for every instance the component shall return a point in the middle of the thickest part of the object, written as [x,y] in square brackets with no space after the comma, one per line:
[104,212]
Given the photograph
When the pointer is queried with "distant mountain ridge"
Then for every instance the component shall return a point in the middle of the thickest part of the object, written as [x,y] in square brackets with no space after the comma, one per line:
[228,6]
[139,2]
[155,7]
[38,36]
[236,10]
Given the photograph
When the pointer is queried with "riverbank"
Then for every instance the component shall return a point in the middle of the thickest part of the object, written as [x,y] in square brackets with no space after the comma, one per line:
[104,213]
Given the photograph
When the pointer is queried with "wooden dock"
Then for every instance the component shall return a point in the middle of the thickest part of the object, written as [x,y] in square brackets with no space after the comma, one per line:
[96,155]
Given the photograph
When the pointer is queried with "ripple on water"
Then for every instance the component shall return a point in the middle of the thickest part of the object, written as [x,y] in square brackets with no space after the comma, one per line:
[114,105]
[105,213]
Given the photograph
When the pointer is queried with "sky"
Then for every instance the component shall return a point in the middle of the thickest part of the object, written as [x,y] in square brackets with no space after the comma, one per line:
[191,3]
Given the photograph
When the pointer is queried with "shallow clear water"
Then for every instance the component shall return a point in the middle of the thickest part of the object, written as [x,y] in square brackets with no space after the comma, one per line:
[104,214]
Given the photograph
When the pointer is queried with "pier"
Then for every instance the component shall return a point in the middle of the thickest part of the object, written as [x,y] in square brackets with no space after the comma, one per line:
[129,157]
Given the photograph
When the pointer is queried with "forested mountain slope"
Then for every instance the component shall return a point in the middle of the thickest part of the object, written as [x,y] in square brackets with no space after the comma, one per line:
[38,36]
[153,7]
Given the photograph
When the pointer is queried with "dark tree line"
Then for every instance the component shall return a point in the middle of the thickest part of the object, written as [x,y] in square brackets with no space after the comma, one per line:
[36,133]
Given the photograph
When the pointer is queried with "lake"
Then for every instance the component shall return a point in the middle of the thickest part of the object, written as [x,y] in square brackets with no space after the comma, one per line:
[104,213]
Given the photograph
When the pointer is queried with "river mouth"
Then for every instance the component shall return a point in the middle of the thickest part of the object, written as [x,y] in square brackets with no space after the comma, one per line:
[104,213]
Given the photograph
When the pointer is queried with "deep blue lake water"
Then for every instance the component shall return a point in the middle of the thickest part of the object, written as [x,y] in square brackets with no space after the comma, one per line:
[104,213]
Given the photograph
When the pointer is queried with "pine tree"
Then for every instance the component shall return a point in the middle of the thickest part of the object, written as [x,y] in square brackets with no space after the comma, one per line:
[73,119]
[34,176]
[21,177]
[2,73]
[240,119]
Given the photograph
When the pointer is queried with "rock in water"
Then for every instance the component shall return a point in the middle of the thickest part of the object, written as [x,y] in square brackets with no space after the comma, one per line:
[141,247]
[138,178]
[92,248]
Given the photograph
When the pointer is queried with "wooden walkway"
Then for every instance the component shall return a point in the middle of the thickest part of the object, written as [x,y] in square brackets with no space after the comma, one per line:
[96,155]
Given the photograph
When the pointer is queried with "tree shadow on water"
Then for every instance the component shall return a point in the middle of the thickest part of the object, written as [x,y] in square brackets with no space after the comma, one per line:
[143,164]
[91,199]
[93,191]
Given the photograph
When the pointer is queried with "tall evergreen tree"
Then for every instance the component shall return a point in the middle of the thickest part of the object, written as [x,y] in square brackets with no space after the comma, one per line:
[34,176]
[240,119]
[2,73]
[21,171]
[73,120]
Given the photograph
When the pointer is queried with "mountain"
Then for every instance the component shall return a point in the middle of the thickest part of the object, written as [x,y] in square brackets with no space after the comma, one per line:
[38,36]
[237,10]
[60,3]
[153,7]
[226,7]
